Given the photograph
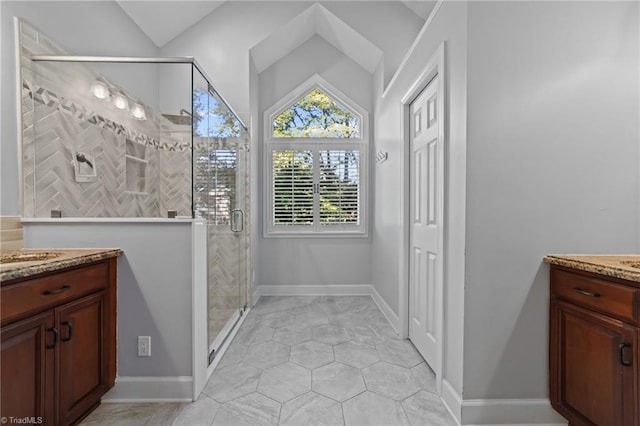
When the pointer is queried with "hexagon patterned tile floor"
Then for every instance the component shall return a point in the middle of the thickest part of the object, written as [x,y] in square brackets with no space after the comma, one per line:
[324,360]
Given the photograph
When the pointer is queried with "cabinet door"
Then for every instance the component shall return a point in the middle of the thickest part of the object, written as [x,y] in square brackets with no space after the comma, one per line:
[27,359]
[593,367]
[82,375]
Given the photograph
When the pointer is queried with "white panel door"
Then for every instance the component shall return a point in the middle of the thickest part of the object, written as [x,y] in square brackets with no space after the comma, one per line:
[427,189]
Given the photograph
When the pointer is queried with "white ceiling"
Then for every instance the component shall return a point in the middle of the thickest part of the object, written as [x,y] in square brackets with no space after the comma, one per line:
[164,20]
[316,20]
[420,8]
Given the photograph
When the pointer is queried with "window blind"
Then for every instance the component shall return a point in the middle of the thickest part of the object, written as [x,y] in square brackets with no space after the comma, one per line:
[293,187]
[339,187]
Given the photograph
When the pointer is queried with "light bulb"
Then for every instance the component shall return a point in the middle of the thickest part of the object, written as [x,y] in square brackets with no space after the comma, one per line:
[100,90]
[120,101]
[137,111]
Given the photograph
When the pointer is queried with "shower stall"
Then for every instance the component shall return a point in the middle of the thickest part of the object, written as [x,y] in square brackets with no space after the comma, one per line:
[111,140]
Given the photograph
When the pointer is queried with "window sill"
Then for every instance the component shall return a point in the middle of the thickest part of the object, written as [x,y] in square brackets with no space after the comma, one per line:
[310,235]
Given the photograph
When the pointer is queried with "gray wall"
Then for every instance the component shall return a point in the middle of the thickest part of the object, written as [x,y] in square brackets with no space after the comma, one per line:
[255,134]
[553,160]
[83,28]
[450,25]
[154,287]
[543,125]
[312,261]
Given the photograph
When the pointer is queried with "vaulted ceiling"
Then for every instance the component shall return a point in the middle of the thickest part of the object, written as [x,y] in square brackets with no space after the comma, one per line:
[316,20]
[222,35]
[163,21]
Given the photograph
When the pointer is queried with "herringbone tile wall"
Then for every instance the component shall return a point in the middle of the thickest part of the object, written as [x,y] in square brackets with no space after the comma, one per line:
[225,267]
[59,121]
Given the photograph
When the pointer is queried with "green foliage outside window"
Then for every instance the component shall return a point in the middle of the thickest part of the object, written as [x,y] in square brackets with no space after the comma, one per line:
[316,115]
[212,118]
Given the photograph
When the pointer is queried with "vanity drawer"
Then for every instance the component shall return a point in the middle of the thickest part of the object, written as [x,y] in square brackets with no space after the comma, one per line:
[614,299]
[41,293]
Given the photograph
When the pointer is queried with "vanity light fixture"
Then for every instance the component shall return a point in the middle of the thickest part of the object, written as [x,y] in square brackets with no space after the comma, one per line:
[137,111]
[120,101]
[100,90]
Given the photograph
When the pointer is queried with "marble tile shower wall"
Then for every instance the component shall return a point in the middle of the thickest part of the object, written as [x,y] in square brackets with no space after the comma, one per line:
[61,120]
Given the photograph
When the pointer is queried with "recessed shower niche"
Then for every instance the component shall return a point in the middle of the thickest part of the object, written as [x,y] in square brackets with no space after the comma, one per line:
[136,160]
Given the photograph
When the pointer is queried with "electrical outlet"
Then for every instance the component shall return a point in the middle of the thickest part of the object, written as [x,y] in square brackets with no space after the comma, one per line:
[144,345]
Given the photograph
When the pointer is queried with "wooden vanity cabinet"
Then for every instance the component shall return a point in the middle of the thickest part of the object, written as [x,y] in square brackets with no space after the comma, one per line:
[83,377]
[58,352]
[593,349]
[27,368]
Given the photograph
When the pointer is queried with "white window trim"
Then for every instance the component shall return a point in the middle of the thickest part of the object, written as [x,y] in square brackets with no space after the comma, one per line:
[361,144]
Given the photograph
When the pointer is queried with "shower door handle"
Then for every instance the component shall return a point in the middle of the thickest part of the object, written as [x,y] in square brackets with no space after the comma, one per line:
[237,220]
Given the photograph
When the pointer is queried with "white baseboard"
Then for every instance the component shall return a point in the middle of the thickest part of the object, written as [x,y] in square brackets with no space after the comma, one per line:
[329,290]
[522,412]
[451,400]
[150,389]
[314,290]
[386,310]
[494,412]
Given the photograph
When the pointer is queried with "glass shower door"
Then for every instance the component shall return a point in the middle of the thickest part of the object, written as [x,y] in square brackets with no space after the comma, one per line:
[220,196]
[227,241]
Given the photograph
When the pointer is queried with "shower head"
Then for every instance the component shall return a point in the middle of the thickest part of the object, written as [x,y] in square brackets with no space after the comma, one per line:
[184,119]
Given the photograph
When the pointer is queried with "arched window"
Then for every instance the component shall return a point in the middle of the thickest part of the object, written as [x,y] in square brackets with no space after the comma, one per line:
[316,144]
[316,115]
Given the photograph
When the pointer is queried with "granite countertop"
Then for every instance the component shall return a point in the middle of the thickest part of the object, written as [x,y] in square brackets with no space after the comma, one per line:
[27,262]
[624,266]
